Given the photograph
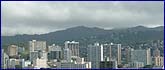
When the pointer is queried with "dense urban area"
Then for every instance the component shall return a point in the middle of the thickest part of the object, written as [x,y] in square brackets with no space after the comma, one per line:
[97,55]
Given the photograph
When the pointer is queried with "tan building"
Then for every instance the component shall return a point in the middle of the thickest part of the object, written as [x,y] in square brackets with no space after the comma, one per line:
[17,62]
[40,63]
[13,50]
[148,52]
[159,61]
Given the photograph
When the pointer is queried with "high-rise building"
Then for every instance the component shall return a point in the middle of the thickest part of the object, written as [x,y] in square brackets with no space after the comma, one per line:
[108,64]
[73,46]
[4,59]
[55,55]
[148,52]
[141,56]
[55,52]
[77,59]
[128,54]
[42,54]
[115,52]
[106,51]
[114,63]
[13,50]
[156,52]
[67,54]
[37,49]
[22,63]
[37,45]
[37,54]
[159,61]
[54,48]
[33,55]
[12,63]
[112,51]
[95,54]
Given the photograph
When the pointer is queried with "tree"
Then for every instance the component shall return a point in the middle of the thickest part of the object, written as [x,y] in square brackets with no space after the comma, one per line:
[18,66]
[24,55]
[120,66]
[148,66]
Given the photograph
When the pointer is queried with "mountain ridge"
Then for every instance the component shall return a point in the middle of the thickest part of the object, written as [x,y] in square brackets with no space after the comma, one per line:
[84,27]
[92,34]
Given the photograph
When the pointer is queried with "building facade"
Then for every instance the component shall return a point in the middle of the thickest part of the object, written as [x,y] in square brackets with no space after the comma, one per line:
[73,46]
[95,55]
[37,45]
[13,50]
[159,61]
[108,64]
[77,62]
[4,59]
[115,52]
[136,64]
[128,54]
[33,55]
[141,56]
[55,52]
[156,52]
[37,50]
[40,63]
[67,54]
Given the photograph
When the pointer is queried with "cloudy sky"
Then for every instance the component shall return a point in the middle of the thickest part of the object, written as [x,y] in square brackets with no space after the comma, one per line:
[43,17]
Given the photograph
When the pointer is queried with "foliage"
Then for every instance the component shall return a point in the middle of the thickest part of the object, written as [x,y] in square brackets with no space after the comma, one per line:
[18,66]
[148,66]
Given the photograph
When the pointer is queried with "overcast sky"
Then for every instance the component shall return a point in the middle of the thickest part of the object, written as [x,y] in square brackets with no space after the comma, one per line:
[43,17]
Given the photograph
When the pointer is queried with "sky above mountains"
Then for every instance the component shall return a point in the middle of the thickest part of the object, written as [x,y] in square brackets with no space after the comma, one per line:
[43,17]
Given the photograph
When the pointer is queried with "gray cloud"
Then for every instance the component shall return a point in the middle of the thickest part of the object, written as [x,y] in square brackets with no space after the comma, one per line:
[43,17]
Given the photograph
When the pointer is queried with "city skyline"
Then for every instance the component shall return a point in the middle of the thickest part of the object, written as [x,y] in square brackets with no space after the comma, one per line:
[44,17]
[97,56]
[86,35]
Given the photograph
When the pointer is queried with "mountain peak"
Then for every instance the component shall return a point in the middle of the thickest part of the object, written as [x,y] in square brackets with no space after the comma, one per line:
[91,34]
[78,27]
[140,27]
[84,28]
[160,27]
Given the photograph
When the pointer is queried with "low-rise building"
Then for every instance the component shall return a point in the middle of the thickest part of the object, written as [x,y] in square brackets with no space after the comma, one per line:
[137,64]
[40,63]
